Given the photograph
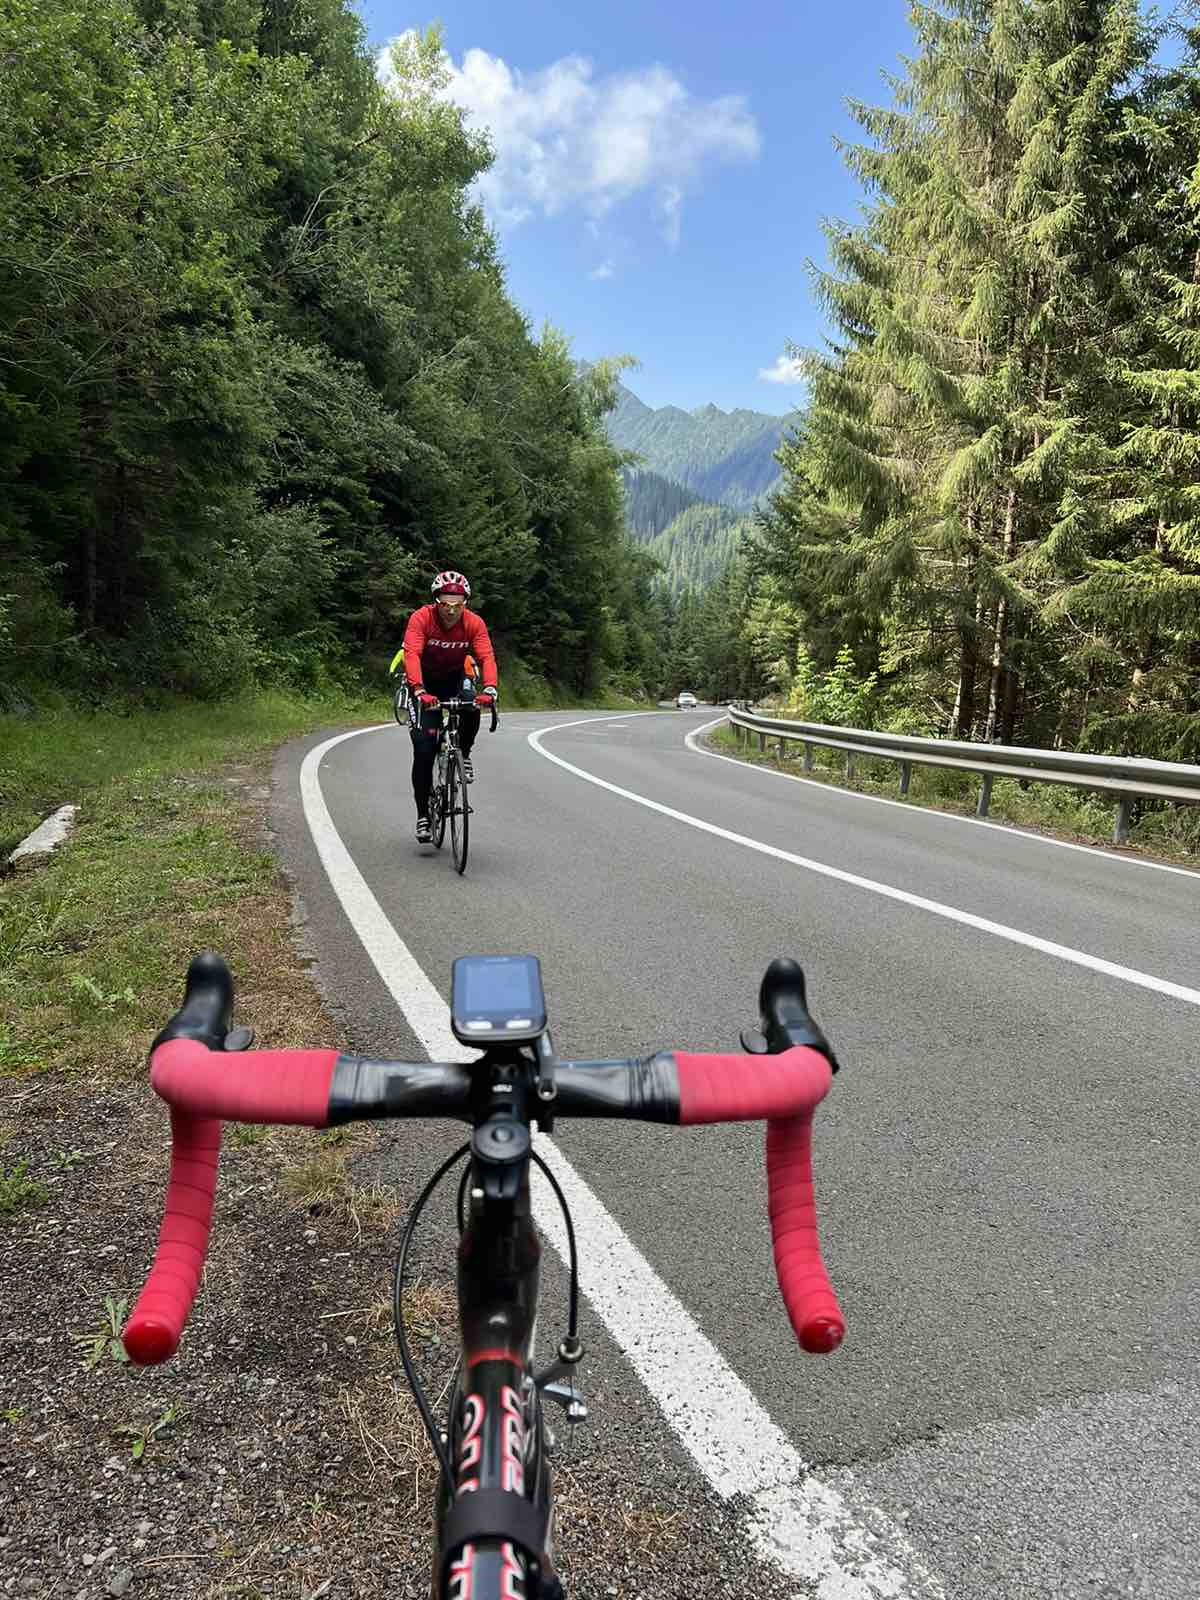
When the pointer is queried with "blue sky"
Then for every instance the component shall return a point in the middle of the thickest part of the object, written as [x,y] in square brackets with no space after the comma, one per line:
[663,171]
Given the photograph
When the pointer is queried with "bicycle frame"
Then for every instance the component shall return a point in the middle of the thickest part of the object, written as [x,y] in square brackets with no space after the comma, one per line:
[496,1433]
[448,740]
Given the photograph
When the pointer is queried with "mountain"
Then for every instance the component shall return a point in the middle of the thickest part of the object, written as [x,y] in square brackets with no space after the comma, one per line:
[697,545]
[693,538]
[725,456]
[652,502]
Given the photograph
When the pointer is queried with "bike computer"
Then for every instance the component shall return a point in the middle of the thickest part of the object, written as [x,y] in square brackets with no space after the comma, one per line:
[497,999]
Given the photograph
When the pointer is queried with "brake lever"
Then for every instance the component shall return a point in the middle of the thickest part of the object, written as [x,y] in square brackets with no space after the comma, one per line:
[784,1013]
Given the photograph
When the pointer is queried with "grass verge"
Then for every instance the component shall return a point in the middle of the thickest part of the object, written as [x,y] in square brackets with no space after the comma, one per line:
[1171,833]
[167,858]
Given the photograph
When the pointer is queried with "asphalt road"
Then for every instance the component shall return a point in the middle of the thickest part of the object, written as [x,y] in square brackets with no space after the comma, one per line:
[1006,1165]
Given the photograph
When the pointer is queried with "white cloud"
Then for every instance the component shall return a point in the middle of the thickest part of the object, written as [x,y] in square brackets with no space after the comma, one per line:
[565,139]
[604,270]
[670,213]
[787,369]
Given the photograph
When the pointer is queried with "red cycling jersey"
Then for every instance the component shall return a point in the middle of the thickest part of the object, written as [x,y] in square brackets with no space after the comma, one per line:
[434,652]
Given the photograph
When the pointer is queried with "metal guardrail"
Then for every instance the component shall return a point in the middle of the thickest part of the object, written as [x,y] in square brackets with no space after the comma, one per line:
[1127,777]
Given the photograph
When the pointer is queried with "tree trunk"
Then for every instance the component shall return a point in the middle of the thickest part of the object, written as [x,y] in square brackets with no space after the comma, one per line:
[1135,686]
[1012,685]
[997,670]
[1000,640]
[88,606]
[968,666]
[963,719]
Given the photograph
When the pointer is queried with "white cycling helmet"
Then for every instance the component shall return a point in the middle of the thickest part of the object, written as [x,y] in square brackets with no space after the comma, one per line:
[451,583]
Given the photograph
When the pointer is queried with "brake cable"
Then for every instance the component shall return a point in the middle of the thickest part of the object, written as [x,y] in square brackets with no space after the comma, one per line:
[410,1371]
[572,1254]
[436,1438]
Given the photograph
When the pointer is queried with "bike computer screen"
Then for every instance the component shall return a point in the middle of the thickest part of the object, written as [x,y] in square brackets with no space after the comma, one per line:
[497,999]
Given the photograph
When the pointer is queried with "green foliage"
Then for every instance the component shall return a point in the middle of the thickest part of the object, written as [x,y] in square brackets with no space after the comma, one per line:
[20,1192]
[258,370]
[697,545]
[142,1434]
[93,998]
[105,1341]
[992,501]
[652,502]
[838,697]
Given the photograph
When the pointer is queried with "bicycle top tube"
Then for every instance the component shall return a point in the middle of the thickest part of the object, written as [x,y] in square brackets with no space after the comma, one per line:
[205,1086]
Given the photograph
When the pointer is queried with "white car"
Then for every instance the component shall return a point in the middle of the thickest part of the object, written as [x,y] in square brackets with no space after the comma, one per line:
[686,701]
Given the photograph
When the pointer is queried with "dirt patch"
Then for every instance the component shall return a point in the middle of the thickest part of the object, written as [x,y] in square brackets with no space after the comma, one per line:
[275,1452]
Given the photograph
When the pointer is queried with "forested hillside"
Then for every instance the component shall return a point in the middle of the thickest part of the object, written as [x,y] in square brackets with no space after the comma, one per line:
[723,456]
[994,501]
[259,373]
[652,502]
[698,544]
[692,539]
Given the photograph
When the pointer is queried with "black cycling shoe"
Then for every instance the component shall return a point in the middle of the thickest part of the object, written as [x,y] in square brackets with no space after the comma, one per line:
[468,769]
[424,831]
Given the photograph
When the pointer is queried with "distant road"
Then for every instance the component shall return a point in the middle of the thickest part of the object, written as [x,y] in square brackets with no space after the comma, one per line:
[1006,1165]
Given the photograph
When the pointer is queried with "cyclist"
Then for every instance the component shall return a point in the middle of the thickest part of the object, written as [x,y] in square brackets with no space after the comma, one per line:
[438,640]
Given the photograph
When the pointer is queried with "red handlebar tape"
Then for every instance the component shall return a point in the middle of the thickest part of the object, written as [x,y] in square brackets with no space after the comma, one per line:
[785,1089]
[269,1086]
[205,1088]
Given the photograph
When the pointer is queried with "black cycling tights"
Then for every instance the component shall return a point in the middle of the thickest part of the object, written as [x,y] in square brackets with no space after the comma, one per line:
[424,741]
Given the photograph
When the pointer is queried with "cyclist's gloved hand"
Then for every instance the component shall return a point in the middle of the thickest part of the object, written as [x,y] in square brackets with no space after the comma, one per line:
[429,701]
[487,697]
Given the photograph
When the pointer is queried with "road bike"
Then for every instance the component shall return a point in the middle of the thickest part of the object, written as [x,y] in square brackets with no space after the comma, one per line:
[448,801]
[448,797]
[494,1521]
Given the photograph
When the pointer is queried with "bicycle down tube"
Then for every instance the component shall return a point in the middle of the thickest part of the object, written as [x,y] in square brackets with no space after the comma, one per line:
[494,1512]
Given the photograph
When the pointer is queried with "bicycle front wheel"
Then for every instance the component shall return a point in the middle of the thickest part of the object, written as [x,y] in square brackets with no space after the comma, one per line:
[460,811]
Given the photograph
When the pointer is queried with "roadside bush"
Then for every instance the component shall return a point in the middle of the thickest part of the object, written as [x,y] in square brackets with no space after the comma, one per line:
[838,696]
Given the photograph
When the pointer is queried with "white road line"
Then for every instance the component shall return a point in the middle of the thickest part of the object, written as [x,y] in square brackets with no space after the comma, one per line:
[1013,829]
[794,1521]
[1000,930]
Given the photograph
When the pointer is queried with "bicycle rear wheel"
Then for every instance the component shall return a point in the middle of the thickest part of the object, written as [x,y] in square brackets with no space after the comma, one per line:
[400,706]
[460,811]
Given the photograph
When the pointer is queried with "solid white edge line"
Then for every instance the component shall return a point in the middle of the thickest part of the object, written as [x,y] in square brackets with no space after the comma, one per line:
[1013,829]
[999,930]
[796,1522]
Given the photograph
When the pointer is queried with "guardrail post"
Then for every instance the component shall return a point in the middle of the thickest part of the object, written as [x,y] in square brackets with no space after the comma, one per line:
[782,749]
[762,743]
[808,756]
[849,766]
[905,776]
[985,795]
[1124,817]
